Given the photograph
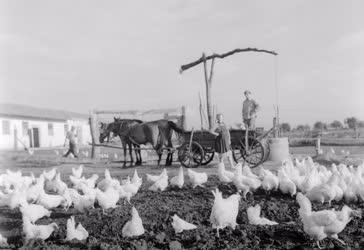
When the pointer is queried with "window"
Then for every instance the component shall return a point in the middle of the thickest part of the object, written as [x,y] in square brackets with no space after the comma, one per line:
[6,127]
[65,129]
[50,129]
[25,127]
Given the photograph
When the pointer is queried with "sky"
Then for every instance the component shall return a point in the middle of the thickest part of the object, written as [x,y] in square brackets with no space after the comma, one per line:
[121,55]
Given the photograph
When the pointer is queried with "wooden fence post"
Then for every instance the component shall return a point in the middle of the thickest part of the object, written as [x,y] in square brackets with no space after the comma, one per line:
[318,146]
[15,139]
[95,151]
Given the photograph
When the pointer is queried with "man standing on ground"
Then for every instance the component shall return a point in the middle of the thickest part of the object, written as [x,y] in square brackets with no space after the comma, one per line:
[250,109]
[72,138]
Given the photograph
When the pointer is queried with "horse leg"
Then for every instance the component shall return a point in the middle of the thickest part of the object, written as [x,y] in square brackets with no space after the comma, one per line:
[131,153]
[136,154]
[139,156]
[124,148]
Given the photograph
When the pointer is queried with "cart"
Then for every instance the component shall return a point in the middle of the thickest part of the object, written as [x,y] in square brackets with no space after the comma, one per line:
[198,147]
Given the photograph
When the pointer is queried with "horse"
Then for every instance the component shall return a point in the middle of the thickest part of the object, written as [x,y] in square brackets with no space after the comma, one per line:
[117,128]
[158,133]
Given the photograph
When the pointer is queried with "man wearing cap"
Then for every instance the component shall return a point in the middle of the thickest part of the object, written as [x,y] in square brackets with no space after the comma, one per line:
[250,108]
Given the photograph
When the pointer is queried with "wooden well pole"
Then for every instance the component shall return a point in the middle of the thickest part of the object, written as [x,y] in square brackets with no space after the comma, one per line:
[95,151]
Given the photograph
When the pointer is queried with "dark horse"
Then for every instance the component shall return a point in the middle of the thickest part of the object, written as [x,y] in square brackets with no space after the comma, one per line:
[157,133]
[118,127]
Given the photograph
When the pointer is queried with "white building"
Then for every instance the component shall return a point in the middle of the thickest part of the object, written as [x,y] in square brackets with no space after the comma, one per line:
[38,127]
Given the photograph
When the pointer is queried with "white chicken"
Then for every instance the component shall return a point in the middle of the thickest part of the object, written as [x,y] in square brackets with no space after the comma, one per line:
[56,185]
[34,212]
[50,201]
[77,172]
[238,181]
[82,202]
[180,225]
[35,190]
[286,185]
[136,179]
[50,174]
[223,174]
[13,199]
[3,241]
[33,231]
[178,180]
[270,181]
[324,223]
[73,232]
[255,219]
[154,178]
[321,193]
[160,184]
[107,199]
[224,211]
[134,227]
[197,179]
[108,182]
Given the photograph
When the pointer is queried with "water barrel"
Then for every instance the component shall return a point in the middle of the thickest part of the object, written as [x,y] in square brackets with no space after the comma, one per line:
[279,149]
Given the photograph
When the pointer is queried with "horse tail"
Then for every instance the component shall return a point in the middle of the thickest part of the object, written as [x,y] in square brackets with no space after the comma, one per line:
[175,127]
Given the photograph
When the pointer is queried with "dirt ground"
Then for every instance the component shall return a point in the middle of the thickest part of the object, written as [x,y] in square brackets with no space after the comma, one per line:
[193,205]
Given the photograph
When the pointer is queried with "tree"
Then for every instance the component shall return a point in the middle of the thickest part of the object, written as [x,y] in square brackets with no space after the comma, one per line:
[361,124]
[285,127]
[303,127]
[336,124]
[352,122]
[320,125]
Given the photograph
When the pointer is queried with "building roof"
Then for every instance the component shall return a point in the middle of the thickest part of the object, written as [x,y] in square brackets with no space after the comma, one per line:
[33,113]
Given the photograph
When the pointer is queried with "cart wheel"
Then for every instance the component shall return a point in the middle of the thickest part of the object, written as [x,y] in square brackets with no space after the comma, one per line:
[190,158]
[254,156]
[208,157]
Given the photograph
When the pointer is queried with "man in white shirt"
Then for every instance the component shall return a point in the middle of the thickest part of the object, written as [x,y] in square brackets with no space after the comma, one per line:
[249,112]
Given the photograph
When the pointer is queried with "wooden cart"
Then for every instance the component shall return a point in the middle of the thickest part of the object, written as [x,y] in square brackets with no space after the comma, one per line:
[198,147]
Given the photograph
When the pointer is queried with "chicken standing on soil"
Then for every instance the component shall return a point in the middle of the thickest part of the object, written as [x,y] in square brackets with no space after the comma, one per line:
[33,231]
[238,181]
[33,211]
[255,219]
[178,180]
[197,179]
[134,227]
[107,199]
[160,184]
[325,223]
[50,201]
[270,181]
[73,232]
[224,211]
[82,202]
[108,182]
[223,174]
[180,225]
[56,185]
[154,178]
[286,185]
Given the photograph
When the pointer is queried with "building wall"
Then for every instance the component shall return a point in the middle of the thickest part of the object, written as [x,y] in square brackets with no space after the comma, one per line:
[45,138]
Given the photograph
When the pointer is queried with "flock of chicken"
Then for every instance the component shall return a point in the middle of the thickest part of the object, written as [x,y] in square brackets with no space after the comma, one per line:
[309,181]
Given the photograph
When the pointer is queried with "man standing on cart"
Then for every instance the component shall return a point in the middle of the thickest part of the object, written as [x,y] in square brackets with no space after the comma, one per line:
[249,112]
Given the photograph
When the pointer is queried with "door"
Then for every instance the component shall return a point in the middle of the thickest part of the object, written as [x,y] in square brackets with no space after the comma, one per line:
[35,137]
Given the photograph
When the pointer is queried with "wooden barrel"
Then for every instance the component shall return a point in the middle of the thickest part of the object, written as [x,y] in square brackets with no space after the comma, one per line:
[279,149]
